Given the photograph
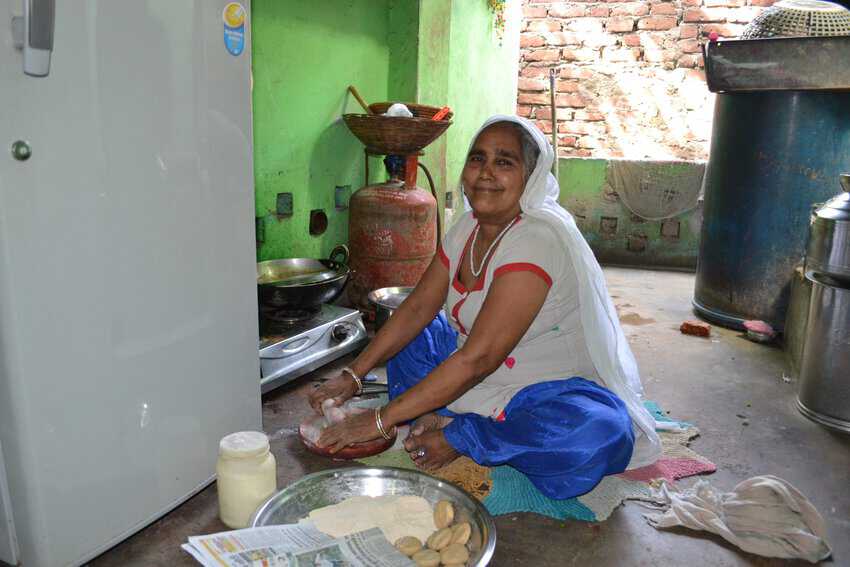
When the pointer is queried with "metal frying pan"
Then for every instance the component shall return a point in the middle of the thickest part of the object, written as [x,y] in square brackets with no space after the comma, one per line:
[302,283]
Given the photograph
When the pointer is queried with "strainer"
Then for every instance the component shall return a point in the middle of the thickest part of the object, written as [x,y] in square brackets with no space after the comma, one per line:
[798,18]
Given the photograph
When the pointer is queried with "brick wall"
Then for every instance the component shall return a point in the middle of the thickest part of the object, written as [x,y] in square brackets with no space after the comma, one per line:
[630,80]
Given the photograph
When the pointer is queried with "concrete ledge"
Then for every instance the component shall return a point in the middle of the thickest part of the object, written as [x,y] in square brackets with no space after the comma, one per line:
[617,235]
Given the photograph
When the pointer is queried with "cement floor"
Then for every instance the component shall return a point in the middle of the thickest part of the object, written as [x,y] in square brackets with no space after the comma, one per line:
[708,382]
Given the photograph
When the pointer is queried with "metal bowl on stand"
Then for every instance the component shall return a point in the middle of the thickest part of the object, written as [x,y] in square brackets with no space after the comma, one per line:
[386,300]
[325,488]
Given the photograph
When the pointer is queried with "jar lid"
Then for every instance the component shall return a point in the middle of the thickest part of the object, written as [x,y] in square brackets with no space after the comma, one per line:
[243,444]
[838,208]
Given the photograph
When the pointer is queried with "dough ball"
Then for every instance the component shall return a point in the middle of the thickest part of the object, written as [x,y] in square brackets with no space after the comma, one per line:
[444,514]
[461,533]
[427,558]
[455,553]
[440,539]
[335,414]
[408,545]
[311,428]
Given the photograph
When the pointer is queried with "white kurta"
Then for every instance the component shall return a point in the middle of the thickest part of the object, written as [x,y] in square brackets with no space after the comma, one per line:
[554,347]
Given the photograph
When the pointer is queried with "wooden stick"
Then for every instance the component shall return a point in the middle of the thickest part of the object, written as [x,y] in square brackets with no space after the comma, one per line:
[554,122]
[359,98]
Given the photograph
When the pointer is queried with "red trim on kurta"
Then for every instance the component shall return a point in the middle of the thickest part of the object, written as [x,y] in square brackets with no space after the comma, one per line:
[442,256]
[456,283]
[456,314]
[479,283]
[523,267]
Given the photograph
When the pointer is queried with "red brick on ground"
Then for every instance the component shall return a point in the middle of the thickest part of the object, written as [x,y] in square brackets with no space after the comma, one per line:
[696,328]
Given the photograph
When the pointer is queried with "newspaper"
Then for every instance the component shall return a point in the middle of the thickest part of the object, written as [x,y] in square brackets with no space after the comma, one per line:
[294,545]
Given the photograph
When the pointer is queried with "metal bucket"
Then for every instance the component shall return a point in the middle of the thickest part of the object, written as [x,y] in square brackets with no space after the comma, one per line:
[824,394]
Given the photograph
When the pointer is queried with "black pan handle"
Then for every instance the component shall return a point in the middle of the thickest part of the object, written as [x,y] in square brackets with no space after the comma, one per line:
[339,251]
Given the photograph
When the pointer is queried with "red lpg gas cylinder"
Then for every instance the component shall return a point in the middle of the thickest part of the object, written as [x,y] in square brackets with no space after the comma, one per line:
[392,236]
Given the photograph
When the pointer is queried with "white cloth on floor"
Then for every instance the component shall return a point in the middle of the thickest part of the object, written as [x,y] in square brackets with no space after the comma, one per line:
[764,515]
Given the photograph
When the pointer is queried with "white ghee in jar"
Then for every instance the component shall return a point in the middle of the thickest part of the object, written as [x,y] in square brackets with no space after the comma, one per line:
[247,475]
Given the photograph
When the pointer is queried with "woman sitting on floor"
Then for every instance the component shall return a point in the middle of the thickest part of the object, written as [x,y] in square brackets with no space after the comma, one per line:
[530,368]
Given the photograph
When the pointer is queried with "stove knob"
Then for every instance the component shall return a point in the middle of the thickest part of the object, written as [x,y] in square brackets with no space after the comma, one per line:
[339,333]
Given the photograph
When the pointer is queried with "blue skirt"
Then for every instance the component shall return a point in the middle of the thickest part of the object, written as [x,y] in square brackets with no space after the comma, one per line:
[564,435]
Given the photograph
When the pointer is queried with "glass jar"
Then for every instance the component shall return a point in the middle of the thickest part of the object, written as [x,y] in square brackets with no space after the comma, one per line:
[247,475]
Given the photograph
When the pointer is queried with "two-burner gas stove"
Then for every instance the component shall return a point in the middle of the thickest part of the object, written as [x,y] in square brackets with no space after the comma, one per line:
[293,343]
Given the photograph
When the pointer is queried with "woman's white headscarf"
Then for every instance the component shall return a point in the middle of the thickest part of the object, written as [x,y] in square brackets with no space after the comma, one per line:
[612,357]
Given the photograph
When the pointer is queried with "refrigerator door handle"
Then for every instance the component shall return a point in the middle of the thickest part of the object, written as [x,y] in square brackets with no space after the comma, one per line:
[38,24]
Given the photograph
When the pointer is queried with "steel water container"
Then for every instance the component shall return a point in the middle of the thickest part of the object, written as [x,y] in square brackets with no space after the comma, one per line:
[829,237]
[773,154]
[824,394]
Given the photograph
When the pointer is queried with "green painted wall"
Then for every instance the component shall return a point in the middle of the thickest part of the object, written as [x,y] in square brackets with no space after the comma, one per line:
[672,243]
[403,40]
[482,76]
[304,56]
[432,87]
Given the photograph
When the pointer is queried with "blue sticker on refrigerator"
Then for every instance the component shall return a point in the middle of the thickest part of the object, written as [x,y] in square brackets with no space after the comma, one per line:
[234,27]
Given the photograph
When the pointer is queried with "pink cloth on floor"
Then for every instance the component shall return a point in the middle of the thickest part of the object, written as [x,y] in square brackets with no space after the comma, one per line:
[670,469]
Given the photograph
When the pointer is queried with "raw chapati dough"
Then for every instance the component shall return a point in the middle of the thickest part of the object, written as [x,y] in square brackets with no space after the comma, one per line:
[444,513]
[396,516]
[455,553]
[408,545]
[312,427]
[440,539]
[461,533]
[427,558]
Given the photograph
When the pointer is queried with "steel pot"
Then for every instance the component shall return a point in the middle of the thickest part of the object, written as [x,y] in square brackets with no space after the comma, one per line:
[829,236]
[302,283]
[824,394]
[386,300]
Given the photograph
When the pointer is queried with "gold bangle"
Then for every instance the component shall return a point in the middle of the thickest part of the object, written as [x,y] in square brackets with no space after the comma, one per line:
[357,381]
[380,425]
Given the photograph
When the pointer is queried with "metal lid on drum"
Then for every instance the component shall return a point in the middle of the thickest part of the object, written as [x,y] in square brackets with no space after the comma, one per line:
[837,208]
[799,18]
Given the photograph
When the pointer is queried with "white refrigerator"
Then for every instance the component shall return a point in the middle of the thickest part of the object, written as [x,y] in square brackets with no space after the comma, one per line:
[128,318]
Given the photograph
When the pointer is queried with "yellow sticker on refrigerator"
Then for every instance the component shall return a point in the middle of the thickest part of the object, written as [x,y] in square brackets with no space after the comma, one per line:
[234,27]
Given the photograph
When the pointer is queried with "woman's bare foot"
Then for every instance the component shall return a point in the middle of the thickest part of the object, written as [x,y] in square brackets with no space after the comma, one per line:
[428,422]
[429,449]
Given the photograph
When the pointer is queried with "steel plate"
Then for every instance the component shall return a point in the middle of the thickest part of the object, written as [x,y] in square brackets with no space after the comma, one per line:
[325,488]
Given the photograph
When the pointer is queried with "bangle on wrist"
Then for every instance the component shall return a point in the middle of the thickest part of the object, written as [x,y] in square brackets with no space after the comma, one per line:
[380,425]
[357,381]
